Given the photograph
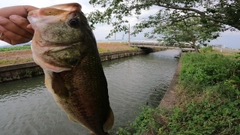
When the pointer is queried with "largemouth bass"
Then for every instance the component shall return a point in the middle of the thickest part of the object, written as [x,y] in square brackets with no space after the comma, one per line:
[65,47]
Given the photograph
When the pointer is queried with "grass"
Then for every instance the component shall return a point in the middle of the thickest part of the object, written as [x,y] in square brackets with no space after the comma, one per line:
[15,48]
[12,55]
[209,91]
[16,61]
[102,47]
[113,47]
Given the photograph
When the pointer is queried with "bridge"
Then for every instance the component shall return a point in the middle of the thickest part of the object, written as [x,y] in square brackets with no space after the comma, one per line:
[155,45]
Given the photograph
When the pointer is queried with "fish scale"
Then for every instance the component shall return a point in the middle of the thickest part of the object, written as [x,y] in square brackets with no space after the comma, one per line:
[65,47]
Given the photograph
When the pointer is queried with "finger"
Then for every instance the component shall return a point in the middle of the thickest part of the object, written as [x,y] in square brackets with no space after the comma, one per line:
[29,26]
[29,8]
[12,38]
[10,26]
[16,10]
[6,40]
[21,22]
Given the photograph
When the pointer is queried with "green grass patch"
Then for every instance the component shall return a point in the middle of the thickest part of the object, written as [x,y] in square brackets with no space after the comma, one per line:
[206,49]
[145,122]
[15,48]
[101,50]
[16,61]
[209,103]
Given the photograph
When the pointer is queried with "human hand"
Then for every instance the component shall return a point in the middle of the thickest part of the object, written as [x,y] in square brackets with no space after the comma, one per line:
[14,26]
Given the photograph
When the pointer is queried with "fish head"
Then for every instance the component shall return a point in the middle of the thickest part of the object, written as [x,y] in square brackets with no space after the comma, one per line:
[57,24]
[59,33]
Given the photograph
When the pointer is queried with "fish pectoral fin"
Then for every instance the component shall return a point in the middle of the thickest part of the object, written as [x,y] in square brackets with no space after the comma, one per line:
[72,119]
[58,86]
[109,122]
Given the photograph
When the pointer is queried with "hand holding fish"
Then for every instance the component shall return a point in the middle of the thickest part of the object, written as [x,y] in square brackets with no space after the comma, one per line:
[14,26]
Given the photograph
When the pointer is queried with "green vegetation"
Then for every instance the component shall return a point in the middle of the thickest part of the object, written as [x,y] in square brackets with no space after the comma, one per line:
[102,50]
[14,48]
[191,32]
[16,61]
[145,122]
[169,13]
[209,91]
[207,49]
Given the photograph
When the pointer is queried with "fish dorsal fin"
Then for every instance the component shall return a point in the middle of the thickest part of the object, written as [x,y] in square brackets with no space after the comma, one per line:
[58,86]
[109,122]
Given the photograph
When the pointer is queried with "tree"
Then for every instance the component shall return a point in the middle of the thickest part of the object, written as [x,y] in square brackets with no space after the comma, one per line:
[224,13]
[188,31]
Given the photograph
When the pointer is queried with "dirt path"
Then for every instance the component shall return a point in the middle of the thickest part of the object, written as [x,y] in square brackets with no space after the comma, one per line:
[15,57]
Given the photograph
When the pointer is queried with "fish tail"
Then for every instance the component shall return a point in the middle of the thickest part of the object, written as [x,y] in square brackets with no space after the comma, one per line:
[109,122]
[105,133]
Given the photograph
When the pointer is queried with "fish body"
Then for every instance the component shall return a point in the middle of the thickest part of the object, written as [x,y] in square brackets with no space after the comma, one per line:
[65,47]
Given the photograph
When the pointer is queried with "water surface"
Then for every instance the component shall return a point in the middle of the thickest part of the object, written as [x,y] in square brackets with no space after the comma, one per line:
[27,108]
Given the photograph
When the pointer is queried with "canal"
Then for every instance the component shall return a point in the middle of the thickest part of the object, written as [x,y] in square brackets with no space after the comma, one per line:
[27,108]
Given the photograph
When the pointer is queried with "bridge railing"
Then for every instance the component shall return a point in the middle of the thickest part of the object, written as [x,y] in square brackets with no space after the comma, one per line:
[145,43]
[158,45]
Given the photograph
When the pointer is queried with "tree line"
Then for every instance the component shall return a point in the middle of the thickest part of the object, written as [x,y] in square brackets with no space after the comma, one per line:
[176,22]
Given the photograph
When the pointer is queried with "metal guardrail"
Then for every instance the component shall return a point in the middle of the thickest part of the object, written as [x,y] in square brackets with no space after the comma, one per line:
[145,43]
[158,45]
[150,45]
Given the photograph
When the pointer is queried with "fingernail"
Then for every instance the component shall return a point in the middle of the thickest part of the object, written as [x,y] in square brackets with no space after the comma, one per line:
[14,17]
[29,26]
[1,18]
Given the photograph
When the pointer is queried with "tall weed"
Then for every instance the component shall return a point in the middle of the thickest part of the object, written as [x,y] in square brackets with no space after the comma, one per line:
[211,103]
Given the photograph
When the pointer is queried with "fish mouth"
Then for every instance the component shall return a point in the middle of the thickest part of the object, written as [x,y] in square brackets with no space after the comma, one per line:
[60,12]
[57,57]
[60,58]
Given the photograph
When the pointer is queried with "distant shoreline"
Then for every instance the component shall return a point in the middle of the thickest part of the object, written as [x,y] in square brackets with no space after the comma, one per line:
[30,69]
[25,56]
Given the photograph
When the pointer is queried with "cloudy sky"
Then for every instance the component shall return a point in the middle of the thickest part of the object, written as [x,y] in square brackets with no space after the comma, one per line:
[228,39]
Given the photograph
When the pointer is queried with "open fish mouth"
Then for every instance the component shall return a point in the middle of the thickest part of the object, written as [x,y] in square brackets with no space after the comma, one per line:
[56,25]
[58,41]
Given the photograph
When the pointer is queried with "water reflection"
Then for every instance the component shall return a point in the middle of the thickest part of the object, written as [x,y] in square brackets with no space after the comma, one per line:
[27,108]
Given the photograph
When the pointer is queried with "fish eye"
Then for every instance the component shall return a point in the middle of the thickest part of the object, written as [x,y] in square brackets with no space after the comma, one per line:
[74,22]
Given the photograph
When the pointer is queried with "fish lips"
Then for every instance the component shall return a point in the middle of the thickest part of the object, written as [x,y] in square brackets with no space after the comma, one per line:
[58,11]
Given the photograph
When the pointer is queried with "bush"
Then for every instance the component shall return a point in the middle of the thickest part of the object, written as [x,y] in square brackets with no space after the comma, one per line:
[210,103]
[206,49]
[204,70]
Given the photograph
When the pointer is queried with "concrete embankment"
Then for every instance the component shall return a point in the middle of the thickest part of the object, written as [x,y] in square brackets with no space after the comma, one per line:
[14,72]
[170,99]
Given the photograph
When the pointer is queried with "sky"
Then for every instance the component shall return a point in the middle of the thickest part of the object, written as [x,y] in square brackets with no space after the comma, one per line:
[227,39]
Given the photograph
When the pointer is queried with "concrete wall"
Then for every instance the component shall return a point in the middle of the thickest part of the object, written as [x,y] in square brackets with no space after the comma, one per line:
[14,72]
[120,54]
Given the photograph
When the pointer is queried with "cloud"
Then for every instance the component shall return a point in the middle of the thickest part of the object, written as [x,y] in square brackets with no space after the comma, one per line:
[228,39]
[237,33]
[86,7]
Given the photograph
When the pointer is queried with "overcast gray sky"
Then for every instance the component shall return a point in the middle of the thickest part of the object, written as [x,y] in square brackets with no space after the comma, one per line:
[228,39]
